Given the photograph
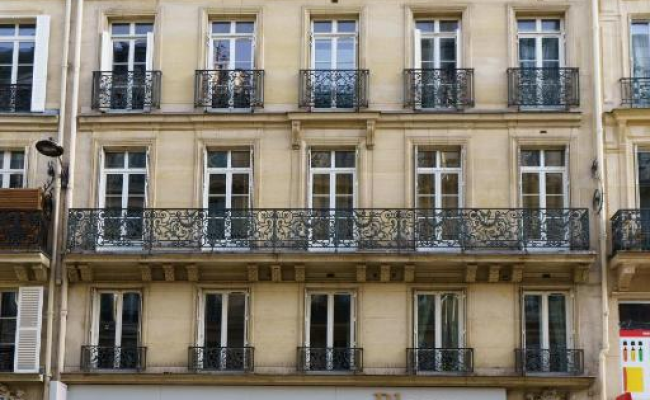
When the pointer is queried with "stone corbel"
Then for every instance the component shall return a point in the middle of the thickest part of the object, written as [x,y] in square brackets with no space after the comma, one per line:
[145,271]
[470,273]
[168,269]
[517,274]
[253,273]
[73,274]
[384,273]
[494,273]
[22,273]
[361,273]
[192,273]
[86,272]
[299,272]
[409,273]
[625,275]
[276,273]
[40,272]
[370,133]
[296,135]
[581,273]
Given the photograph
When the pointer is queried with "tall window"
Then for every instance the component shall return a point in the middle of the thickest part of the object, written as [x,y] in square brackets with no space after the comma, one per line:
[223,337]
[116,332]
[437,44]
[640,32]
[17,50]
[643,161]
[439,174]
[232,45]
[540,43]
[12,169]
[330,335]
[8,317]
[543,178]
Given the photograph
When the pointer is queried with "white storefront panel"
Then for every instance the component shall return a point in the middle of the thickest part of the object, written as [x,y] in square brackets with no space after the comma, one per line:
[112,392]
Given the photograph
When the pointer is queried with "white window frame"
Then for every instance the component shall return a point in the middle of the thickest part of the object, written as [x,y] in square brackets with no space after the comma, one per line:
[541,171]
[125,171]
[539,35]
[229,171]
[436,36]
[231,37]
[332,170]
[131,37]
[438,317]
[438,172]
[334,35]
[225,297]
[6,171]
[16,39]
[330,315]
[545,316]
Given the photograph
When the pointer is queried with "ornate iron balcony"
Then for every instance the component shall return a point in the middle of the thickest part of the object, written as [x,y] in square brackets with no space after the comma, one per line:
[635,92]
[126,91]
[439,89]
[631,230]
[226,359]
[363,230]
[549,361]
[436,360]
[23,230]
[7,357]
[229,89]
[330,359]
[113,358]
[15,98]
[550,88]
[334,89]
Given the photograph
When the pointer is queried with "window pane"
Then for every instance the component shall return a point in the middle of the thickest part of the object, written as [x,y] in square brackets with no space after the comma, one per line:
[526,25]
[5,75]
[342,316]
[449,184]
[239,202]
[643,159]
[6,52]
[17,160]
[321,202]
[143,28]
[426,202]
[346,54]
[557,321]
[551,49]
[554,202]
[120,52]
[245,27]
[554,184]
[344,159]
[530,158]
[322,26]
[550,25]
[426,184]
[426,321]
[26,53]
[240,159]
[107,319]
[212,321]
[236,319]
[344,184]
[318,321]
[140,51]
[450,202]
[450,159]
[554,158]
[323,54]
[130,319]
[531,202]
[27,30]
[240,184]
[120,29]
[25,74]
[15,181]
[222,53]
[448,26]
[527,50]
[426,159]
[217,203]
[9,305]
[221,27]
[344,202]
[634,315]
[530,183]
[7,30]
[425,26]
[137,160]
[217,184]
[217,159]
[347,26]
[427,53]
[136,184]
[243,54]
[533,321]
[321,159]
[450,310]
[447,49]
[114,184]
[114,160]
[321,184]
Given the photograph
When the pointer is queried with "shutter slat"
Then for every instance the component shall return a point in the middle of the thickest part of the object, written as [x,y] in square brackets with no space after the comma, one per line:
[39,80]
[28,335]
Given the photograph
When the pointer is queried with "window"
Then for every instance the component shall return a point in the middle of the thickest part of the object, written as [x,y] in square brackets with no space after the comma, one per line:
[640,32]
[540,43]
[116,330]
[232,45]
[634,315]
[8,318]
[12,169]
[330,336]
[17,50]
[129,47]
[437,44]
[223,337]
[543,178]
[439,177]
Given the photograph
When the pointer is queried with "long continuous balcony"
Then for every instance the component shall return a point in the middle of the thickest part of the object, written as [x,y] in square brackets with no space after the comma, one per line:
[126,91]
[23,230]
[559,361]
[95,358]
[15,98]
[635,92]
[439,89]
[225,359]
[334,89]
[361,230]
[438,360]
[544,88]
[631,230]
[229,89]
[330,359]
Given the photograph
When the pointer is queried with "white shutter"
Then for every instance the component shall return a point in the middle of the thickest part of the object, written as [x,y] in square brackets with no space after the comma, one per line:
[210,54]
[25,167]
[150,44]
[39,80]
[28,331]
[147,188]
[353,321]
[106,58]
[567,178]
[520,194]
[417,49]
[100,179]
[463,174]
[206,179]
[200,312]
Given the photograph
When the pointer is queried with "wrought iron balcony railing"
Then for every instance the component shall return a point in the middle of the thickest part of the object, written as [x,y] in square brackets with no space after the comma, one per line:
[126,91]
[7,357]
[330,359]
[113,358]
[278,230]
[635,92]
[334,89]
[631,230]
[23,230]
[229,89]
[544,88]
[226,359]
[15,98]
[559,361]
[439,89]
[436,360]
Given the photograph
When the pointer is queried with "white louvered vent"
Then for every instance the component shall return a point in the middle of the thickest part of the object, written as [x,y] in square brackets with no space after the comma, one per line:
[28,335]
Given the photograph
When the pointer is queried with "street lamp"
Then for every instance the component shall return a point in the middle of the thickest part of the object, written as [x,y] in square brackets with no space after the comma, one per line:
[52,149]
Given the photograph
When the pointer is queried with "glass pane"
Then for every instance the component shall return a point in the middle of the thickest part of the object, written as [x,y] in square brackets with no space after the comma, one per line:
[245,27]
[318,321]
[425,26]
[5,75]
[244,54]
[531,202]
[426,202]
[236,319]
[533,321]
[239,202]
[140,51]
[321,159]
[322,26]
[222,53]
[426,321]
[26,53]
[450,309]
[217,184]
[344,202]
[347,26]
[212,321]
[530,158]
[131,320]
[426,159]
[450,202]
[344,184]
[120,29]
[557,321]
[323,54]
[7,30]
[644,179]
[321,184]
[217,203]
[450,159]
[447,49]
[221,27]
[113,202]
[137,160]
[17,160]
[554,184]
[634,315]
[6,53]
[135,202]
[136,184]
[240,184]
[107,319]
[530,183]
[143,28]
[448,26]
[554,202]
[527,49]
[217,159]
[321,202]
[550,49]
[526,25]
[344,159]
[114,160]
[9,305]
[346,54]
[551,25]
[342,319]
[114,184]
[120,52]
[15,181]
[554,158]
[240,159]
[427,53]
[449,184]
[640,50]
[426,184]
[25,74]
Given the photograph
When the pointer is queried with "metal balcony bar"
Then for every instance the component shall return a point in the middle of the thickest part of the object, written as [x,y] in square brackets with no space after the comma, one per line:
[635,92]
[329,359]
[438,360]
[280,230]
[229,89]
[23,230]
[126,91]
[544,87]
[439,89]
[7,357]
[334,89]
[227,359]
[631,230]
[15,98]
[113,358]
[559,361]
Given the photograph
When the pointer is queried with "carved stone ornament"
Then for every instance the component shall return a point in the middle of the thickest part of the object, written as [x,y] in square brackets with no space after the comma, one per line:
[7,394]
[546,395]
